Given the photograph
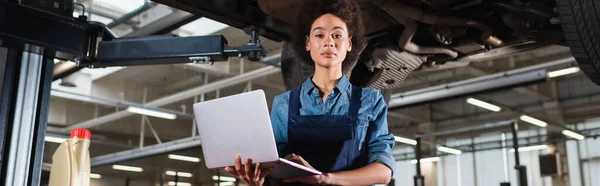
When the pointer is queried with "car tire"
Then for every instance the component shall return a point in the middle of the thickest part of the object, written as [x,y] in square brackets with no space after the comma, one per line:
[580,21]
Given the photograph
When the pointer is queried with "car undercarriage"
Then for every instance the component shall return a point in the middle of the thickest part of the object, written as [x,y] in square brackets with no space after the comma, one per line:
[414,34]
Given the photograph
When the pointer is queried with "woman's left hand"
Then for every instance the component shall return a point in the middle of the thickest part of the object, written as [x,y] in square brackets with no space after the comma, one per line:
[313,180]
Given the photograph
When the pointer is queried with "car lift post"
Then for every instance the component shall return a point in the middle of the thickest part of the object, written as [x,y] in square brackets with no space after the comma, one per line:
[27,62]
[521,169]
[418,178]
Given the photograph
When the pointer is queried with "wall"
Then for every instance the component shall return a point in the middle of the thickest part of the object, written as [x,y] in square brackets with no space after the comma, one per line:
[405,172]
[457,170]
[584,158]
[481,168]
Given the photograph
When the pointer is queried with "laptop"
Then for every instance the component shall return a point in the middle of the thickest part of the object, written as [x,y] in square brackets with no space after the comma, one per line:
[241,124]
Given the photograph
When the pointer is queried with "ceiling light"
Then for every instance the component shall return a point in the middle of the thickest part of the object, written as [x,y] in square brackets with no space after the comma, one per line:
[95,176]
[127,168]
[405,140]
[54,139]
[530,148]
[534,121]
[426,160]
[179,183]
[75,14]
[149,112]
[225,183]
[180,174]
[449,150]
[483,104]
[224,178]
[573,134]
[184,158]
[563,72]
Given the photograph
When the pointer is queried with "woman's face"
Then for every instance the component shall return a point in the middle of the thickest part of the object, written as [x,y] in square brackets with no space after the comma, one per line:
[329,41]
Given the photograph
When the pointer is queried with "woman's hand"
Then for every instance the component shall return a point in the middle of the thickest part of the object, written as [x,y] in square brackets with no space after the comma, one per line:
[313,180]
[252,174]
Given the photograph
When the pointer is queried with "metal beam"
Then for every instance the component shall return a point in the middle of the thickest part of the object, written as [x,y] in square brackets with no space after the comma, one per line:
[530,74]
[180,96]
[467,87]
[147,151]
[111,102]
[523,90]
[217,69]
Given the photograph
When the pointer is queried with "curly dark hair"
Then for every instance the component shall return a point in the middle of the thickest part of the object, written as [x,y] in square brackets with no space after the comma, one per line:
[347,10]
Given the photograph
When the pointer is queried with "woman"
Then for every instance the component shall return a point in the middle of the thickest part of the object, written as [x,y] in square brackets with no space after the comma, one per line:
[327,123]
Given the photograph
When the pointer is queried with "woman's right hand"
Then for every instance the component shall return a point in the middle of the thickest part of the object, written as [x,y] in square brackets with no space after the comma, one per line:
[252,174]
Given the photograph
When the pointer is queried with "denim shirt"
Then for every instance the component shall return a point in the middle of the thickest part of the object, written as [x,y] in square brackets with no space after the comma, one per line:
[372,118]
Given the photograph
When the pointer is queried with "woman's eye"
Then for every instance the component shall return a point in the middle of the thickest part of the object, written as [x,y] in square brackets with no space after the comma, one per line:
[337,36]
[319,36]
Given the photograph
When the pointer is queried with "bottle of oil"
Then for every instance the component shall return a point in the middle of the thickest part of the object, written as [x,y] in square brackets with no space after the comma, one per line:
[71,161]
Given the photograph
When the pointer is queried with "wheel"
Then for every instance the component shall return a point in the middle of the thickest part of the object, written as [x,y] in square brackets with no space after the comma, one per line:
[580,21]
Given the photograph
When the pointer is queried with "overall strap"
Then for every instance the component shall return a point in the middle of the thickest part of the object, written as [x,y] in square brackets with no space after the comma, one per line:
[294,103]
[355,101]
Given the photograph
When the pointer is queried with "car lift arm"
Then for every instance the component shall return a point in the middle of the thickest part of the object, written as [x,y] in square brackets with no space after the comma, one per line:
[93,45]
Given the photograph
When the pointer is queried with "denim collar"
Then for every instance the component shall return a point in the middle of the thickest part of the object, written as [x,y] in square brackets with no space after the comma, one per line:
[308,86]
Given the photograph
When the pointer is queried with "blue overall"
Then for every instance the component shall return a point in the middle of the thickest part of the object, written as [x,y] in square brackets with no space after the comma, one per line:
[328,142]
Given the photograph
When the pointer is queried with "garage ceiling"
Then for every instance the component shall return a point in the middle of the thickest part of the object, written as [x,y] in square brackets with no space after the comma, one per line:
[563,100]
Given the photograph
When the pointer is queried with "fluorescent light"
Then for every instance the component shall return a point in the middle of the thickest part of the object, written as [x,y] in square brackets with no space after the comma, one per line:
[184,158]
[573,134]
[54,139]
[534,121]
[224,178]
[149,112]
[179,183]
[127,168]
[95,176]
[426,160]
[225,183]
[483,104]
[563,72]
[530,148]
[405,140]
[449,150]
[180,174]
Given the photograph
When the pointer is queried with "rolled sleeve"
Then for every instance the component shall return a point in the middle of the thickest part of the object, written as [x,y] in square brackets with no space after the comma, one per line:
[381,142]
[383,158]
